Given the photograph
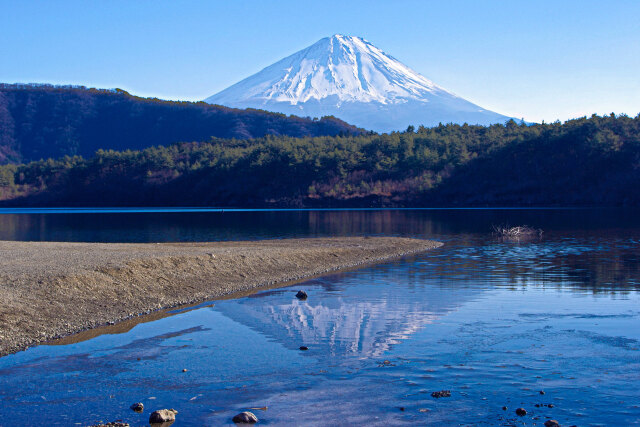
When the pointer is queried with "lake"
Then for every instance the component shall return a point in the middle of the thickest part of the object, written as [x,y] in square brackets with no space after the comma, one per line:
[494,322]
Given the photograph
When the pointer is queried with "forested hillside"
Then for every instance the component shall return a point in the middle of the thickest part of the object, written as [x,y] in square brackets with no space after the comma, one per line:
[44,121]
[594,161]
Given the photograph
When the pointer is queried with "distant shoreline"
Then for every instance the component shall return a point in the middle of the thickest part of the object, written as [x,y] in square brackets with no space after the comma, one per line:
[54,289]
[190,209]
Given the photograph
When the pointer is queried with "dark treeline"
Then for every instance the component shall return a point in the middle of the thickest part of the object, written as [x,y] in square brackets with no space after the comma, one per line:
[45,121]
[594,161]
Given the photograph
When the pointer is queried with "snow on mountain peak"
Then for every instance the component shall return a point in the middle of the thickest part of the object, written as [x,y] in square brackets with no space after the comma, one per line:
[348,77]
[347,67]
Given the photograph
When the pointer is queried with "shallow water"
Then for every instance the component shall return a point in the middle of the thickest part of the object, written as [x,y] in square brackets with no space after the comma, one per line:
[494,322]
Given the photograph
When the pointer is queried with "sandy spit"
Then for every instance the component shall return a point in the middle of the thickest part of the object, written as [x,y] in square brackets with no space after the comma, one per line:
[53,289]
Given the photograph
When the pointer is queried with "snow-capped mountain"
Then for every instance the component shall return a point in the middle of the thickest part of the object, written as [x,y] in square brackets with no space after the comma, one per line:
[350,78]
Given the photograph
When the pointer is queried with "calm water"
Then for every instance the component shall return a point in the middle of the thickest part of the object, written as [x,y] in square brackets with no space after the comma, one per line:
[493,322]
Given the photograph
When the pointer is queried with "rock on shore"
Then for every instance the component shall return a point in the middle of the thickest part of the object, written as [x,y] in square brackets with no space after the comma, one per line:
[245,418]
[162,416]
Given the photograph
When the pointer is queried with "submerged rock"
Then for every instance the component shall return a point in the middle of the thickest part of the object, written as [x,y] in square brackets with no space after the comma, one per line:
[441,393]
[521,412]
[138,407]
[245,418]
[523,232]
[162,416]
[551,423]
[301,295]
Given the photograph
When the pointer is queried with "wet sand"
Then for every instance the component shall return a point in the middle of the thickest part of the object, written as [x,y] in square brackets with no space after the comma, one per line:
[54,289]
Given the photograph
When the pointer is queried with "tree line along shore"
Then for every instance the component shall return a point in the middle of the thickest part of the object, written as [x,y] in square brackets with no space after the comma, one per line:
[591,161]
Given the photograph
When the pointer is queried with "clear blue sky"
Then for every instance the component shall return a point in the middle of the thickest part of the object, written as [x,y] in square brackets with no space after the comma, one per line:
[541,60]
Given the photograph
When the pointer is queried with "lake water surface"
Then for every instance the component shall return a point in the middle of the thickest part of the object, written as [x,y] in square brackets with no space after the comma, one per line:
[494,322]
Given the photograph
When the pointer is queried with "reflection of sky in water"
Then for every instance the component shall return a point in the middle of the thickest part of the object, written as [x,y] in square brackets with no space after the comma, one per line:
[494,323]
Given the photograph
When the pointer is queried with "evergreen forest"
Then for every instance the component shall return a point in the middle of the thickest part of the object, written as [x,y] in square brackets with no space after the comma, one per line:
[591,161]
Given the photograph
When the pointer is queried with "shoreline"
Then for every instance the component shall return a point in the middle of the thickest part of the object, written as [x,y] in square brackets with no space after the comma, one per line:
[50,290]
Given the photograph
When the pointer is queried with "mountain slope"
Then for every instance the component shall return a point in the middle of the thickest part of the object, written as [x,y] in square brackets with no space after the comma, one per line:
[41,121]
[352,79]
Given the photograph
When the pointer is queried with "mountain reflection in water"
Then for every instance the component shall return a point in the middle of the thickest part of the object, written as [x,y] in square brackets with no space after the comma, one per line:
[493,322]
[363,322]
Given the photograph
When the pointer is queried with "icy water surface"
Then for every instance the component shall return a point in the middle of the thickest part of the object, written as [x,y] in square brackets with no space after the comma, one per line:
[494,322]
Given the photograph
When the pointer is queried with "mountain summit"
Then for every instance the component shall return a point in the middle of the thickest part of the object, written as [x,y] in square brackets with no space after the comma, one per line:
[350,78]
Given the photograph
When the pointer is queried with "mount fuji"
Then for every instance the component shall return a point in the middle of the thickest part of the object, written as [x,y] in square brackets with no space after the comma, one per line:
[351,79]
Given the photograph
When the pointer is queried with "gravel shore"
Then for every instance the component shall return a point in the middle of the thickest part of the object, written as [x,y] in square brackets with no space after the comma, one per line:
[54,289]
